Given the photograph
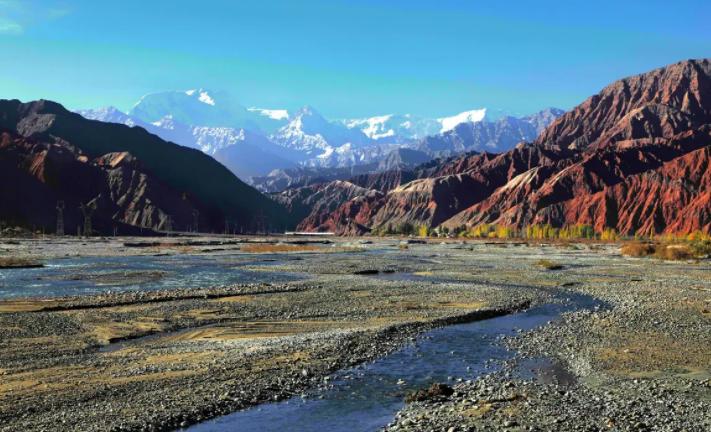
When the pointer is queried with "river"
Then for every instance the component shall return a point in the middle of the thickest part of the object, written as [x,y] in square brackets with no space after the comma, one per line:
[367,397]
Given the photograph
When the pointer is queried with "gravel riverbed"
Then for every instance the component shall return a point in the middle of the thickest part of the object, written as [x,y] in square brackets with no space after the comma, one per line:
[166,359]
[640,363]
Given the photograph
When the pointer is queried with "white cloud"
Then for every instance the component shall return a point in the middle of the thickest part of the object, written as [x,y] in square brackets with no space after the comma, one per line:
[8,26]
[17,15]
[9,11]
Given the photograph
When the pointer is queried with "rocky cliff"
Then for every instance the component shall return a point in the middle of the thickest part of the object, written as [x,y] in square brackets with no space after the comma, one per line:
[634,158]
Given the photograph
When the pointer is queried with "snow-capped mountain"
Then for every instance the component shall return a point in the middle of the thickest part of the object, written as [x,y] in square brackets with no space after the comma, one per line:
[253,141]
[404,128]
[348,155]
[244,152]
[492,136]
[394,127]
[543,118]
[309,132]
[274,114]
[210,139]
[206,108]
[449,123]
[111,114]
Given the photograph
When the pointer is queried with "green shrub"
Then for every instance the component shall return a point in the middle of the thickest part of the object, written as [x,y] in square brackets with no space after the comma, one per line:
[700,248]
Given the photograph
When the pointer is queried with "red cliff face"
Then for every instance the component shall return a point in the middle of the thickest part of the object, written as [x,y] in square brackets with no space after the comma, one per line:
[351,217]
[633,157]
[317,202]
[673,198]
[682,89]
[444,191]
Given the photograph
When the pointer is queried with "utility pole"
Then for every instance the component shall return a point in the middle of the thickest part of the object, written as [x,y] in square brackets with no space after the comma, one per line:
[60,218]
[227,226]
[87,210]
[260,220]
[168,227]
[196,218]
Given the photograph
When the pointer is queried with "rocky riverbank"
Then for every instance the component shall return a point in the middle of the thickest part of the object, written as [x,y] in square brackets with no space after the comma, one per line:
[642,362]
[166,359]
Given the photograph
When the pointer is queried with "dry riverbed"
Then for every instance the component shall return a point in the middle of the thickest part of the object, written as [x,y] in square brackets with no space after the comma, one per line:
[166,359]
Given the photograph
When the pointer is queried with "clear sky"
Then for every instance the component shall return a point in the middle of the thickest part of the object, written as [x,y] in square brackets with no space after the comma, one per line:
[348,58]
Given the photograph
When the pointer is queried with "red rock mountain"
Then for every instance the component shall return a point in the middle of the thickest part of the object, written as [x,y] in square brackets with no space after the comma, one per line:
[634,157]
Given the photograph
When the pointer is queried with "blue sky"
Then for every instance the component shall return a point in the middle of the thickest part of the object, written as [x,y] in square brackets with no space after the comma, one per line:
[348,58]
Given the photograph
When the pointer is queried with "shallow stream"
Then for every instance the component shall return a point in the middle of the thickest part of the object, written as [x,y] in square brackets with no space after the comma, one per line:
[367,397]
[95,275]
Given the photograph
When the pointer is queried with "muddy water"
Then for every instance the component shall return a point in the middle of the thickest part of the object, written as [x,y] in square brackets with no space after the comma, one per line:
[366,398]
[94,275]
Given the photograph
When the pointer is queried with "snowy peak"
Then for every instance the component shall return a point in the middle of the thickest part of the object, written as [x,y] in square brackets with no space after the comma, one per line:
[310,121]
[202,95]
[197,106]
[107,114]
[486,135]
[308,131]
[167,122]
[374,127]
[215,123]
[394,128]
[308,111]
[403,127]
[274,114]
[202,107]
[542,119]
[473,116]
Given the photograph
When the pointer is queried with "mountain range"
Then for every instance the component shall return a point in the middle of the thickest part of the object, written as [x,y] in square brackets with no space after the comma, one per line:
[634,157]
[254,142]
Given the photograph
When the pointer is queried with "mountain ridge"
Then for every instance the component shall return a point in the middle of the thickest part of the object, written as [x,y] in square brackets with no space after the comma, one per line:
[593,165]
[188,173]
